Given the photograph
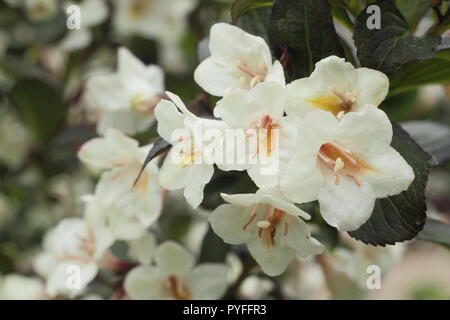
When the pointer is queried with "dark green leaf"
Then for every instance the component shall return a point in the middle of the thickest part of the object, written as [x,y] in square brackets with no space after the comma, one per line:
[241,7]
[159,146]
[213,248]
[40,107]
[413,10]
[419,73]
[390,47]
[401,217]
[433,137]
[301,32]
[256,22]
[436,231]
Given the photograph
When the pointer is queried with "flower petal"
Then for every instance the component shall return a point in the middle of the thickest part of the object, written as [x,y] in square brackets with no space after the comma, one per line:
[366,133]
[144,283]
[393,174]
[272,261]
[228,222]
[217,79]
[199,175]
[169,119]
[101,153]
[172,259]
[231,45]
[372,87]
[208,281]
[346,205]
[240,108]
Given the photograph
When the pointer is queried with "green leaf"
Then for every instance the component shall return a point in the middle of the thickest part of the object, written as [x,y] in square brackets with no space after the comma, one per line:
[40,106]
[436,231]
[213,248]
[401,217]
[256,22]
[392,46]
[301,32]
[241,7]
[433,137]
[419,73]
[413,10]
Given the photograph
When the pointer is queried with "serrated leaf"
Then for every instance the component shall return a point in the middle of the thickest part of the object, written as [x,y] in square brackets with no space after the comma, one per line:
[40,106]
[392,46]
[241,7]
[401,217]
[436,231]
[301,32]
[433,137]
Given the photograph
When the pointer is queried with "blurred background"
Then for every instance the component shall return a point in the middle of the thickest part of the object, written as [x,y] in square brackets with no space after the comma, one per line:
[45,116]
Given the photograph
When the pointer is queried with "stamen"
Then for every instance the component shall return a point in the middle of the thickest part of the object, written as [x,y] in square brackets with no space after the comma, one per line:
[252,216]
[263,224]
[338,165]
[355,179]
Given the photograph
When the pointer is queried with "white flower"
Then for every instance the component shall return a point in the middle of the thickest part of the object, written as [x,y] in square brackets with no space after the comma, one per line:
[238,60]
[353,260]
[258,112]
[269,225]
[17,287]
[15,143]
[336,86]
[41,10]
[186,166]
[173,276]
[128,206]
[126,99]
[93,12]
[142,249]
[74,247]
[346,165]
[156,19]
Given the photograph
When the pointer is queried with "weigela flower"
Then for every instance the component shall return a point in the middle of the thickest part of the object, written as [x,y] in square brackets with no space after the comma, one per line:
[129,206]
[127,98]
[238,60]
[161,20]
[258,112]
[18,287]
[346,165]
[173,276]
[271,227]
[93,12]
[187,165]
[338,87]
[41,10]
[74,242]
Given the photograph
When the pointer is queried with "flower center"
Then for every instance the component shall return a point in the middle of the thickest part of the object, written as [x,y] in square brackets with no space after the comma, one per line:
[266,130]
[138,8]
[140,103]
[177,289]
[188,153]
[86,247]
[337,103]
[252,78]
[268,225]
[342,161]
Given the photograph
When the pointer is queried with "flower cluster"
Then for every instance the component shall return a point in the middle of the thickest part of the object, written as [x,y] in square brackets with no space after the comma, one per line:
[320,138]
[332,145]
